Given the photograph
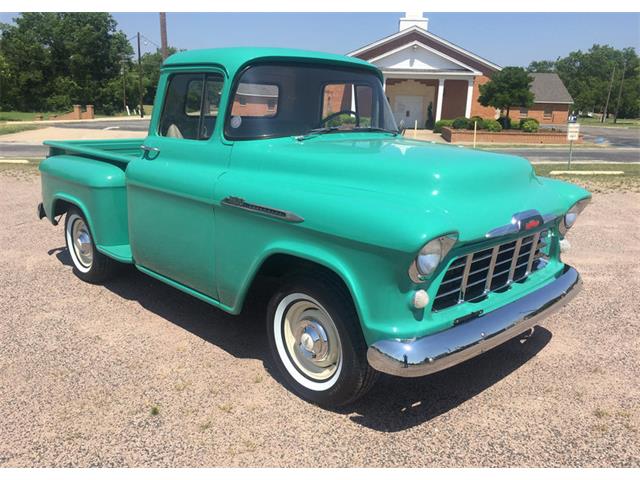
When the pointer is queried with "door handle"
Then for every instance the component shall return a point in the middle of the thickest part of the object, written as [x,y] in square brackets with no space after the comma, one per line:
[146,149]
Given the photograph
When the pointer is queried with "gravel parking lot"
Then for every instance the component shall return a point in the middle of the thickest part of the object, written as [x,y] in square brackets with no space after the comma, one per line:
[135,373]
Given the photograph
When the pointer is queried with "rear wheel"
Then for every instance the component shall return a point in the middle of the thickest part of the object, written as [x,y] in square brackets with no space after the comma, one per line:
[88,263]
[316,342]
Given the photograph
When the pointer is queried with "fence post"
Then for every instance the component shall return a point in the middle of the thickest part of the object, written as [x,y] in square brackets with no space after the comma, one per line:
[475,128]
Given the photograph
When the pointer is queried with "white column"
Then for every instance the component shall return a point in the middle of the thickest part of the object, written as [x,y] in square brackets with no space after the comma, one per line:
[440,99]
[384,83]
[467,108]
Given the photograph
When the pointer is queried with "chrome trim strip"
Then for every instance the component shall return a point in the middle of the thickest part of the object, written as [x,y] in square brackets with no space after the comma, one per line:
[262,209]
[465,277]
[532,253]
[514,261]
[492,266]
[432,353]
[516,225]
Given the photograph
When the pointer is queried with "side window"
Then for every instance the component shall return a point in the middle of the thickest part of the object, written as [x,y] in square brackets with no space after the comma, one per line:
[191,104]
[255,100]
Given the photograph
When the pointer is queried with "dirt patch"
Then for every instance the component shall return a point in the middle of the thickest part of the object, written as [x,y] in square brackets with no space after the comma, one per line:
[136,373]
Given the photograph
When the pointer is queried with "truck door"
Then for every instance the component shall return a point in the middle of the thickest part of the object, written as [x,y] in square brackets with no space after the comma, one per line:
[170,187]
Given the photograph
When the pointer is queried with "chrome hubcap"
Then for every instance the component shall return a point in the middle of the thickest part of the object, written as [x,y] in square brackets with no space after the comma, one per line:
[82,243]
[311,339]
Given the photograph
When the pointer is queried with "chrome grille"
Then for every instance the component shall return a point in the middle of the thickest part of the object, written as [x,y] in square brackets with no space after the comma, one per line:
[471,277]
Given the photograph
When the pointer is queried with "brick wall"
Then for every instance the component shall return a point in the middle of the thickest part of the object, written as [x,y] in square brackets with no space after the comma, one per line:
[476,108]
[482,136]
[543,112]
[454,99]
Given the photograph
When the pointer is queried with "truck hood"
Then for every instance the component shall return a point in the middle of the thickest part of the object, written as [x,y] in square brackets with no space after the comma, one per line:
[406,187]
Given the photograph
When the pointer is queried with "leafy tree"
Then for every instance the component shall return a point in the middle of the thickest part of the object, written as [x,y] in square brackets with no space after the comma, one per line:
[151,63]
[542,66]
[587,76]
[510,87]
[57,59]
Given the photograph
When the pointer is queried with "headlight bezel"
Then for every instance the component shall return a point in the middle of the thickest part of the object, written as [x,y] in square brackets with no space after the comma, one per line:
[439,246]
[573,213]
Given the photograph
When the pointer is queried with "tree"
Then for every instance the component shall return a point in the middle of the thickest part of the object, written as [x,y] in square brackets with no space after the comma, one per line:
[542,66]
[510,87]
[57,59]
[587,76]
[151,63]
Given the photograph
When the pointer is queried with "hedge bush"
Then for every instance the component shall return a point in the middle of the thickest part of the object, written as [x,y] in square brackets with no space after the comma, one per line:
[523,120]
[461,123]
[441,123]
[492,126]
[530,126]
[480,121]
[515,124]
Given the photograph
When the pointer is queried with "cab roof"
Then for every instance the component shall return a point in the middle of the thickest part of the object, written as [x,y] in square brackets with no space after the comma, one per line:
[235,58]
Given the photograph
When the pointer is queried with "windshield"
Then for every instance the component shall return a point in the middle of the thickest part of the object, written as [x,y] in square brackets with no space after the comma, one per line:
[291,100]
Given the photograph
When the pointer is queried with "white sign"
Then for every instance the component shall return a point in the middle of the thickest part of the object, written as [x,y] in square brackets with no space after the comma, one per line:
[573,131]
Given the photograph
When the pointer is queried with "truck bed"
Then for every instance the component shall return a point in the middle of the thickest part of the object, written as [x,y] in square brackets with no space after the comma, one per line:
[120,151]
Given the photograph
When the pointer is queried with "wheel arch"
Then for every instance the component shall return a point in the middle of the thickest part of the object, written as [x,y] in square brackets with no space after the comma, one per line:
[281,261]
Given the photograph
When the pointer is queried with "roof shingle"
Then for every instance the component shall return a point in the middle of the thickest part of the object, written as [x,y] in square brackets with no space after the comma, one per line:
[548,88]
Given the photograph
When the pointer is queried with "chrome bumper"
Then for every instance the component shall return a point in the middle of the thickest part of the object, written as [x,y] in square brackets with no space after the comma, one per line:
[432,353]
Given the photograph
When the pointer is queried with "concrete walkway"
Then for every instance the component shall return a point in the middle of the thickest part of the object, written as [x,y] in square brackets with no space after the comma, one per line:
[53,133]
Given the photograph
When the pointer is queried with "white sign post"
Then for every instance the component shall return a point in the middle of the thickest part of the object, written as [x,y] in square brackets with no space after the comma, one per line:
[573,133]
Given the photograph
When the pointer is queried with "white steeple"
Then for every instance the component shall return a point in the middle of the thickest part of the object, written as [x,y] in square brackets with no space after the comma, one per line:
[413,19]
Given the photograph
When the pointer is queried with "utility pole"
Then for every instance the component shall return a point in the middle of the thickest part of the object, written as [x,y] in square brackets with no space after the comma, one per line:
[606,105]
[163,35]
[624,69]
[124,84]
[140,77]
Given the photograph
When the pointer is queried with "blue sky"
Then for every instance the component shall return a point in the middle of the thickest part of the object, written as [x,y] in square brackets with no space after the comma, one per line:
[503,38]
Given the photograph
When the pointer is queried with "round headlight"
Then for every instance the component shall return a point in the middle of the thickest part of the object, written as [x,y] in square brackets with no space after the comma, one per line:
[572,215]
[429,257]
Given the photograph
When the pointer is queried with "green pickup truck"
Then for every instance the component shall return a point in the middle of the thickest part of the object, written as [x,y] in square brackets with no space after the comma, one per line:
[386,254]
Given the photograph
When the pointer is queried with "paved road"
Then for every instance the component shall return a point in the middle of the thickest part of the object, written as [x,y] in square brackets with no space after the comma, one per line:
[20,150]
[137,125]
[617,137]
[561,154]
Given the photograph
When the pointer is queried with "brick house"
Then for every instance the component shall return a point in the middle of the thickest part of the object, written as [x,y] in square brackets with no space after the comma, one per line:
[422,69]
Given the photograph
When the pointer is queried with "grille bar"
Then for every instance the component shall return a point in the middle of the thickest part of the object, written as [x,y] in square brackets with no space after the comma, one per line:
[471,277]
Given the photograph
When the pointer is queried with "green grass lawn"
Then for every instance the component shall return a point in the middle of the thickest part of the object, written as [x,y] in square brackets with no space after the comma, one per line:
[7,129]
[621,123]
[13,116]
[630,181]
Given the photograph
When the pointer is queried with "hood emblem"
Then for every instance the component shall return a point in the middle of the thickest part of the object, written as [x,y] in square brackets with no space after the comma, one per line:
[520,222]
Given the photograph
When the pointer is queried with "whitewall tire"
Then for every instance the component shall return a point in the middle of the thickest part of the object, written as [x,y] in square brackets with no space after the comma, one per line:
[316,341]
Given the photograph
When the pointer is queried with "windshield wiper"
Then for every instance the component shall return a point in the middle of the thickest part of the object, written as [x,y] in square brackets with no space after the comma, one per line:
[316,131]
[376,129]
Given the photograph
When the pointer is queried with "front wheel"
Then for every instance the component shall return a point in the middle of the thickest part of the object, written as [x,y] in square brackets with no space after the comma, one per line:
[88,263]
[316,342]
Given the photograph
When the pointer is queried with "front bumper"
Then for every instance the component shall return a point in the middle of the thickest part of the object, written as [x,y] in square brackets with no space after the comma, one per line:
[432,353]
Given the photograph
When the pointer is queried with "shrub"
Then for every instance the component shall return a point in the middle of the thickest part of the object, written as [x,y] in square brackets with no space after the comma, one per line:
[529,126]
[515,124]
[524,120]
[492,126]
[505,122]
[441,123]
[460,123]
[476,119]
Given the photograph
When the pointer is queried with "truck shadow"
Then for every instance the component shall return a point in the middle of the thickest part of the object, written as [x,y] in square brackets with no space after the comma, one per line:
[394,404]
